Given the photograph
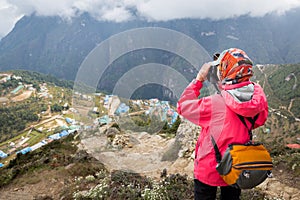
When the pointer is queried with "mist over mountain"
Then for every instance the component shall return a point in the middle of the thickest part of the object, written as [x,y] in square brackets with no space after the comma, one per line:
[55,46]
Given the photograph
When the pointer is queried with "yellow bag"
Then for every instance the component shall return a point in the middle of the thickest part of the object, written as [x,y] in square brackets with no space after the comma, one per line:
[244,165]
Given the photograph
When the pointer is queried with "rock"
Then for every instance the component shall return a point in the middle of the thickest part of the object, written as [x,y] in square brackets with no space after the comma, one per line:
[143,135]
[181,153]
[120,141]
[163,173]
[190,168]
[275,186]
[43,197]
[81,155]
[193,155]
[286,196]
[187,135]
[69,166]
[129,145]
[171,152]
[295,196]
[277,190]
[290,190]
[112,132]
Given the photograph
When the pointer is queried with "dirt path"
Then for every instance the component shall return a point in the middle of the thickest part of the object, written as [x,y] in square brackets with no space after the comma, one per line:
[21,97]
[275,188]
[144,157]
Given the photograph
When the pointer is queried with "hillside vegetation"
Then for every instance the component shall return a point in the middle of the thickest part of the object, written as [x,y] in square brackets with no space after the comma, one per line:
[283,94]
[16,116]
[62,169]
[84,177]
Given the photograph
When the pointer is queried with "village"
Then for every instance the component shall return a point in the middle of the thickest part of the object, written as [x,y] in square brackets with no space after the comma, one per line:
[52,126]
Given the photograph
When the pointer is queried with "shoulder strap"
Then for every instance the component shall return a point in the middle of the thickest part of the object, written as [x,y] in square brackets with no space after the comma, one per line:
[251,120]
[217,151]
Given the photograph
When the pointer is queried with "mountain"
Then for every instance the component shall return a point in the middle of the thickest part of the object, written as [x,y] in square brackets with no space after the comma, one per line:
[55,46]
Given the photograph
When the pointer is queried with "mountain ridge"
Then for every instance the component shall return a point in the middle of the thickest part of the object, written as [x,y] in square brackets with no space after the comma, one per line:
[55,46]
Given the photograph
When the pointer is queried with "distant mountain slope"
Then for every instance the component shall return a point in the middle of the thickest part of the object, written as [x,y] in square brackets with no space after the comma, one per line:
[283,94]
[51,45]
[280,82]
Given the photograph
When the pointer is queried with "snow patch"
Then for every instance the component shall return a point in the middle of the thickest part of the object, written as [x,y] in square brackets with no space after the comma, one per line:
[232,37]
[210,33]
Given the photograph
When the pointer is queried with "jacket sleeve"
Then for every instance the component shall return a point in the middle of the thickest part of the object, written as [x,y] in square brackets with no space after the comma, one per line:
[191,107]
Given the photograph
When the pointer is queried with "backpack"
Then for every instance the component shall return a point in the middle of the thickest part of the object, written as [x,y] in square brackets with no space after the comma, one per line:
[244,166]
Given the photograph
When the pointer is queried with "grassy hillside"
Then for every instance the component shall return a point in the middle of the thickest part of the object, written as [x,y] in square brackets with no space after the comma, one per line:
[17,114]
[282,86]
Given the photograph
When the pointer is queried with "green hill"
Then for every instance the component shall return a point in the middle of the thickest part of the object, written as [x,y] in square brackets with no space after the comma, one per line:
[282,87]
[16,115]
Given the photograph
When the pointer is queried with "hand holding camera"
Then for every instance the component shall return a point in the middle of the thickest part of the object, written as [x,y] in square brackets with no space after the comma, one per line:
[202,74]
[209,68]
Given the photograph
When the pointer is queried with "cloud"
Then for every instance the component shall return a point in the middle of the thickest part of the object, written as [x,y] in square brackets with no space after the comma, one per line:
[9,15]
[214,9]
[117,14]
[153,10]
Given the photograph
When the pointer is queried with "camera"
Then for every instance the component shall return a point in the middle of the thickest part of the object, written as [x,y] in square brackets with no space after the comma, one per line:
[212,75]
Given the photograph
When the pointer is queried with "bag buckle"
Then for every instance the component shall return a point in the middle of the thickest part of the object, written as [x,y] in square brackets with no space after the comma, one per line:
[270,174]
[246,173]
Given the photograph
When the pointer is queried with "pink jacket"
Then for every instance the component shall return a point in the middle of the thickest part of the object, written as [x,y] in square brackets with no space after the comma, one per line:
[217,115]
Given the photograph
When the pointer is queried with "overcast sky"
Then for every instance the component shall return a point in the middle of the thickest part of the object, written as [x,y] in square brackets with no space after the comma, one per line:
[119,10]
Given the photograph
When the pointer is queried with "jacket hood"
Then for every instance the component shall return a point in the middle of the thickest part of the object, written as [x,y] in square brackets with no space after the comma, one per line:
[246,99]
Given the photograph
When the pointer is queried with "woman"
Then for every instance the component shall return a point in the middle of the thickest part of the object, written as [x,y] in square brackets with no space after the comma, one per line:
[218,117]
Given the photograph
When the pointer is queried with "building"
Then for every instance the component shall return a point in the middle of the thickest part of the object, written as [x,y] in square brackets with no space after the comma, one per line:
[2,154]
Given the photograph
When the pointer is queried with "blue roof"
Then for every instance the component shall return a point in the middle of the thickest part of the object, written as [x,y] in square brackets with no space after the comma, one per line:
[72,131]
[24,151]
[123,108]
[104,119]
[17,89]
[74,127]
[54,136]
[2,154]
[174,117]
[57,136]
[69,120]
[63,133]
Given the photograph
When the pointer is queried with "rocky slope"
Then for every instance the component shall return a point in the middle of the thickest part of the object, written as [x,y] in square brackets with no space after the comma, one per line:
[152,155]
[129,157]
